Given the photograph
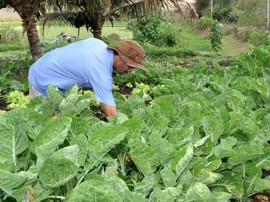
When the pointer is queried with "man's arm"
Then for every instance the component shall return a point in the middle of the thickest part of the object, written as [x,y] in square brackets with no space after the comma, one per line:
[109,110]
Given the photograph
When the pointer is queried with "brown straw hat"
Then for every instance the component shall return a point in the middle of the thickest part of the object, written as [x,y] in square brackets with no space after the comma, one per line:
[130,52]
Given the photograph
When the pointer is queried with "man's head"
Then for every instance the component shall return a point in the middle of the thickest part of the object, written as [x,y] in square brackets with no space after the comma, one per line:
[130,53]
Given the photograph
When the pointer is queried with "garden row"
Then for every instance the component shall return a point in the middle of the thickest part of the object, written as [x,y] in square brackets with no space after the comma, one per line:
[198,133]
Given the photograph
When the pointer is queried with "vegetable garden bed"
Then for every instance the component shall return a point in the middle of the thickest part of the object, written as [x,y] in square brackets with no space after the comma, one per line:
[186,134]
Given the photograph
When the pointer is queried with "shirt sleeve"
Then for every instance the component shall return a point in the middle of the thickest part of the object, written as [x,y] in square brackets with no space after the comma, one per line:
[103,92]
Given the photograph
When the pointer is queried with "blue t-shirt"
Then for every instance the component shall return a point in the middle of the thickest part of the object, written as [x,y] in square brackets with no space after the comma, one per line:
[87,63]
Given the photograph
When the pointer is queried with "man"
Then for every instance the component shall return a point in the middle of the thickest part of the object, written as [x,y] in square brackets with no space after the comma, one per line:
[87,63]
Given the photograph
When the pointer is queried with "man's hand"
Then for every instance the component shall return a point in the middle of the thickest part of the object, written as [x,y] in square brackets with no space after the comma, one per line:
[109,110]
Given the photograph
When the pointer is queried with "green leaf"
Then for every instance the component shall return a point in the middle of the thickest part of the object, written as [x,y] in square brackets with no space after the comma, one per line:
[54,95]
[67,108]
[82,143]
[10,181]
[94,190]
[213,127]
[243,153]
[245,124]
[162,147]
[50,139]
[82,105]
[199,192]
[14,139]
[71,96]
[56,172]
[225,148]
[145,186]
[54,133]
[262,185]
[104,139]
[135,126]
[35,123]
[173,169]
[143,156]
[159,195]
[233,98]
[69,152]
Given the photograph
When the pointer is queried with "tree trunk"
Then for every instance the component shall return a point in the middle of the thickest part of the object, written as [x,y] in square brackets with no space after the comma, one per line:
[28,14]
[97,26]
[267,18]
[212,5]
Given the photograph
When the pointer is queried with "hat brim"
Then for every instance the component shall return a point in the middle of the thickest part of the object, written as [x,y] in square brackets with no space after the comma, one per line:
[126,60]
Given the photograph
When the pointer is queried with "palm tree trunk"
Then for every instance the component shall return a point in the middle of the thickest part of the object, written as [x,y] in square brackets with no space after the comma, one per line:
[267,13]
[28,14]
[211,7]
[97,26]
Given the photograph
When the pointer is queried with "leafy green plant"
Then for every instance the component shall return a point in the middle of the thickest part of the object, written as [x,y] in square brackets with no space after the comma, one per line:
[215,36]
[16,99]
[203,138]
[155,30]
[203,23]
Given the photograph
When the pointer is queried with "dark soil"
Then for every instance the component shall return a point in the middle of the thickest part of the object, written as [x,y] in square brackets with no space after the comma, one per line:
[3,104]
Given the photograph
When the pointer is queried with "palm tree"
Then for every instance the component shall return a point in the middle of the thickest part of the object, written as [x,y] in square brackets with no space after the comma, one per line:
[267,13]
[93,13]
[27,10]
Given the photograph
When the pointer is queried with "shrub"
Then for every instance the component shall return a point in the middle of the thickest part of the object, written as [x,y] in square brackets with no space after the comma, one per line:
[155,30]
[215,36]
[225,14]
[204,23]
[8,35]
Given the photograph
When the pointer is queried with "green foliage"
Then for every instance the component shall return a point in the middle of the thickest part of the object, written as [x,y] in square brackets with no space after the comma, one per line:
[266,38]
[203,23]
[215,36]
[203,137]
[155,30]
[224,13]
[13,75]
[16,99]
[9,35]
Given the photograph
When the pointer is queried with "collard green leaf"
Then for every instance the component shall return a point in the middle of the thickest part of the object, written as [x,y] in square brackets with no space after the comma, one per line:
[180,136]
[54,95]
[262,185]
[234,98]
[35,123]
[67,108]
[243,153]
[232,182]
[14,139]
[159,196]
[135,126]
[10,181]
[82,143]
[145,186]
[56,172]
[225,148]
[94,190]
[54,133]
[82,104]
[70,152]
[78,126]
[143,156]
[173,169]
[247,125]
[168,176]
[182,158]
[199,192]
[213,127]
[162,147]
[104,139]
[71,95]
